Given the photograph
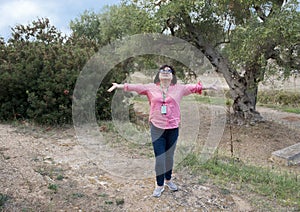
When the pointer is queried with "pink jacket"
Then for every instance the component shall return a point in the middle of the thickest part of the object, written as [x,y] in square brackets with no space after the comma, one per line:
[174,95]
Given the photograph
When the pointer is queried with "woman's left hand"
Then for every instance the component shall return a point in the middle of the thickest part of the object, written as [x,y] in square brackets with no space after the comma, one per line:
[214,86]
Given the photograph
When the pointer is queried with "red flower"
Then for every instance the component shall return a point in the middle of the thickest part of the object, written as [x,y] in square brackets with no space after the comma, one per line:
[66,92]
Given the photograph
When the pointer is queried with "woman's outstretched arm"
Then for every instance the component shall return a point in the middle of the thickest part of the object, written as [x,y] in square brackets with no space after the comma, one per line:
[139,88]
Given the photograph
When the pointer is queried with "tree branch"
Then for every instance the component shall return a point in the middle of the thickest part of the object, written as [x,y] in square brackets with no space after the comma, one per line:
[277,4]
[260,13]
[283,62]
[220,63]
[222,42]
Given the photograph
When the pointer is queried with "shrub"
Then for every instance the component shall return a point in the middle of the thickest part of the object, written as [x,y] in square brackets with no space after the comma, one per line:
[40,72]
[283,98]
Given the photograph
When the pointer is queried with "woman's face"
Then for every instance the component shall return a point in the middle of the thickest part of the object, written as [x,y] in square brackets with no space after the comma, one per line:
[165,74]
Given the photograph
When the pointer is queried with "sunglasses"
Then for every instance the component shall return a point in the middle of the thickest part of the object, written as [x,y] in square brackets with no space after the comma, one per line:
[165,71]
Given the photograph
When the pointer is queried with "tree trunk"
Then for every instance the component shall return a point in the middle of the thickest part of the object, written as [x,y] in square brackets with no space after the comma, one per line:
[243,89]
[244,94]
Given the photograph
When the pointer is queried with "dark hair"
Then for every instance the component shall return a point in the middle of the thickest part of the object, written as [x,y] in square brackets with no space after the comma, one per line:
[174,79]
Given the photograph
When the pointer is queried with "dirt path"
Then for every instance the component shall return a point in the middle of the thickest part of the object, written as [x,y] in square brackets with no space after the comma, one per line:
[289,120]
[49,170]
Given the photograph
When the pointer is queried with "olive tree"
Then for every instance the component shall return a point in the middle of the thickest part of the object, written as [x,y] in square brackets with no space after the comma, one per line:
[240,39]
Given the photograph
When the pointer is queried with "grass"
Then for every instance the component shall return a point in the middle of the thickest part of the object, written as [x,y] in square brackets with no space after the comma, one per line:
[284,187]
[280,100]
[77,195]
[53,187]
[283,108]
[52,172]
[292,110]
[129,136]
[288,107]
[211,100]
[3,199]
[108,201]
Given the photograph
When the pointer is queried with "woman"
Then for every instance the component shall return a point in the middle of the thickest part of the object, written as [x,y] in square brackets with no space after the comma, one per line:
[164,96]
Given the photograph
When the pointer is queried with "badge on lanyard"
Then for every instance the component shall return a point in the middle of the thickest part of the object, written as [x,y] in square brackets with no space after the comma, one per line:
[163,109]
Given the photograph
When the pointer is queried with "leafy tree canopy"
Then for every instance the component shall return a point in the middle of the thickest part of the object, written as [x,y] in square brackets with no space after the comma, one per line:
[112,23]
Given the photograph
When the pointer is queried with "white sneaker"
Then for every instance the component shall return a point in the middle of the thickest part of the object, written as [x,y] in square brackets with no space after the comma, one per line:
[157,191]
[171,186]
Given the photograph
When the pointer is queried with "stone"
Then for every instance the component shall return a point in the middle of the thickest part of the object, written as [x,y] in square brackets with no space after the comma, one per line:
[288,156]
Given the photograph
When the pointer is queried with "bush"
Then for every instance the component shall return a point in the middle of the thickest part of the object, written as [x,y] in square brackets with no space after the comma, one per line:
[282,98]
[40,72]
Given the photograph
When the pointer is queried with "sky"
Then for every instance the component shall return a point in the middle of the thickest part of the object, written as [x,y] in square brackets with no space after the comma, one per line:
[59,12]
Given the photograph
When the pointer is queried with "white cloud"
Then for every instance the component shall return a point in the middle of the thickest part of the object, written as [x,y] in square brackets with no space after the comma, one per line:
[23,12]
[17,10]
[59,12]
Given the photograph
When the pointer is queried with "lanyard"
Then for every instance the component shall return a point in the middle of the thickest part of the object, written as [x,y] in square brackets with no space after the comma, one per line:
[164,94]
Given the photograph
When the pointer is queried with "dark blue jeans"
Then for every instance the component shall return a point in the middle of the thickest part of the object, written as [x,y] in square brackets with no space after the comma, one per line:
[164,145]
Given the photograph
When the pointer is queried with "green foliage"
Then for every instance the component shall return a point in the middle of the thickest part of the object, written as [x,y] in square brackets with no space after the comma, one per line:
[291,110]
[169,15]
[77,195]
[53,187]
[3,199]
[282,186]
[270,31]
[87,25]
[60,177]
[113,23]
[104,98]
[282,98]
[39,72]
[120,201]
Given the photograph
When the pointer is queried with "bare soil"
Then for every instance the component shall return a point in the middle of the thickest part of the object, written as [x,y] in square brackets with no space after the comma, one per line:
[47,169]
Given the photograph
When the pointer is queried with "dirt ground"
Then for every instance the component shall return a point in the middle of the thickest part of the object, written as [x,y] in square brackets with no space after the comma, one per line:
[48,169]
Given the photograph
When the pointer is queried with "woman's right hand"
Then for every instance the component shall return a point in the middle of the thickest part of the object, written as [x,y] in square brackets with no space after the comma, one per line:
[114,86]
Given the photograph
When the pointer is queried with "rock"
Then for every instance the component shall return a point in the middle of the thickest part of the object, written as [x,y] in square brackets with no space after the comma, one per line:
[288,156]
